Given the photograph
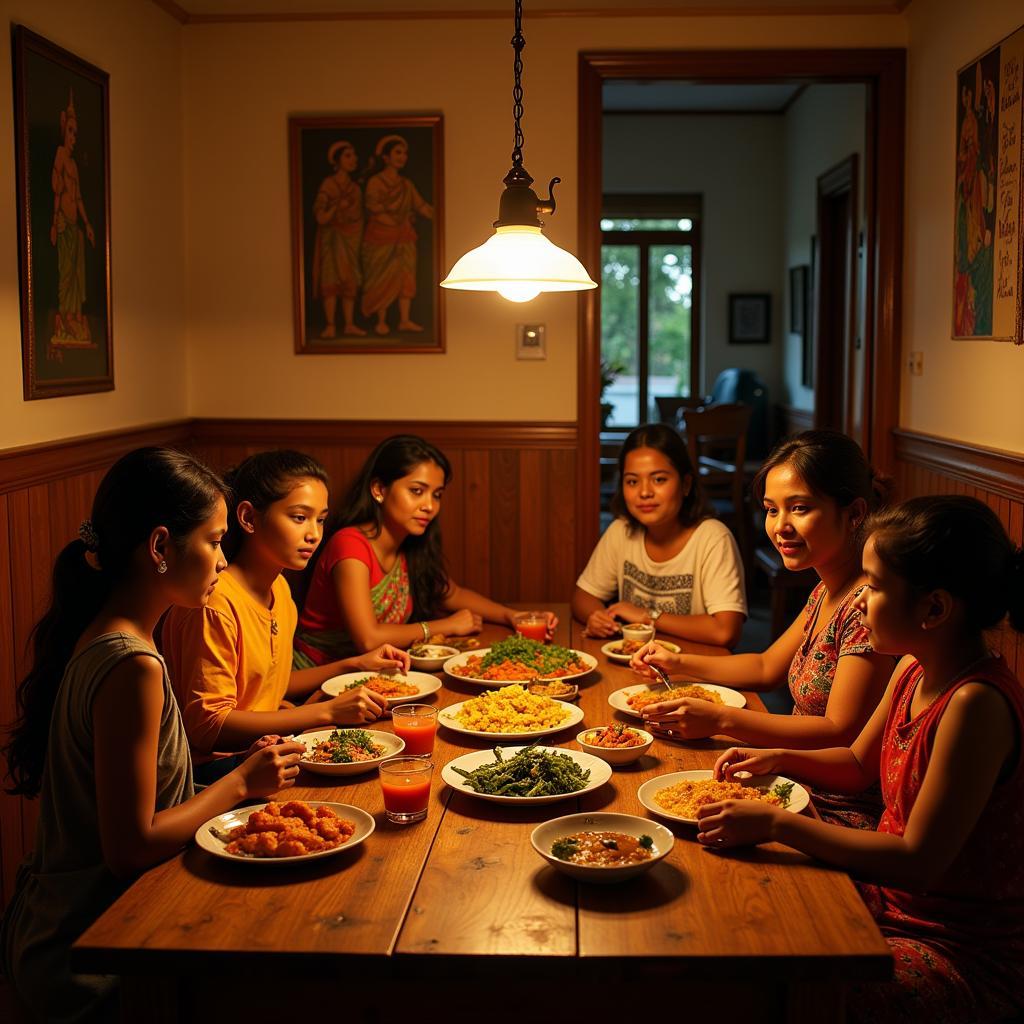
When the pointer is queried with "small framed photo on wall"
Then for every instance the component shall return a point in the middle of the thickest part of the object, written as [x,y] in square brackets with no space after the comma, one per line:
[62,166]
[750,318]
[367,216]
[798,300]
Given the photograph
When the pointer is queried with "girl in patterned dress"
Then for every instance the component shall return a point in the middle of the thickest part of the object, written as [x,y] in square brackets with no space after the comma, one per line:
[947,860]
[231,660]
[816,489]
[382,564]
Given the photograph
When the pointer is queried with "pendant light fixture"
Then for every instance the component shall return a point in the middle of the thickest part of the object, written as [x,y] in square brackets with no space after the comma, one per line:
[517,261]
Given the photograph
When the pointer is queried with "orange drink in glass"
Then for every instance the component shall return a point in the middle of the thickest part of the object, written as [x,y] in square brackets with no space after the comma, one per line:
[405,783]
[416,724]
[532,625]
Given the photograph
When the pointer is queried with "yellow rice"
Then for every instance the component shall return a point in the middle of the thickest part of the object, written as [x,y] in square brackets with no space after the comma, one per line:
[686,798]
[510,709]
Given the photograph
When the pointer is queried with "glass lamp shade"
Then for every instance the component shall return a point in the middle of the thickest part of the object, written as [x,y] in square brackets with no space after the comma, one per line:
[518,263]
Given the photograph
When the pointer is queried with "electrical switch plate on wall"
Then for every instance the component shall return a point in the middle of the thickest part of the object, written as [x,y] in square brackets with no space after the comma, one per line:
[531,342]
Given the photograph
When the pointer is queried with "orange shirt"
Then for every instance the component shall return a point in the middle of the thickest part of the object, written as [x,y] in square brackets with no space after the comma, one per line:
[233,654]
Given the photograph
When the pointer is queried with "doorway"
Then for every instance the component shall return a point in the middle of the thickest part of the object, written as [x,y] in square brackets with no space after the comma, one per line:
[883,73]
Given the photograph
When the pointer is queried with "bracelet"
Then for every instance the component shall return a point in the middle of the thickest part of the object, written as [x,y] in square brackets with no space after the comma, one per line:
[426,631]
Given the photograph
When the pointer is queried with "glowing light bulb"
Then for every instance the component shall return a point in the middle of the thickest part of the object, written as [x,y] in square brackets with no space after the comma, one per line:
[516,292]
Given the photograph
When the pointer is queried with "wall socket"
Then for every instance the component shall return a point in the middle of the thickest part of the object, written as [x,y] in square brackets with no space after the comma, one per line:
[531,341]
[916,364]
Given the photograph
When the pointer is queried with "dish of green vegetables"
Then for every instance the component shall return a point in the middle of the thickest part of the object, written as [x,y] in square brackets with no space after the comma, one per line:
[526,775]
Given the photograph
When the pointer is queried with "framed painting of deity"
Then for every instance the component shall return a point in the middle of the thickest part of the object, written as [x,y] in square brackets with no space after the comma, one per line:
[62,157]
[988,248]
[367,216]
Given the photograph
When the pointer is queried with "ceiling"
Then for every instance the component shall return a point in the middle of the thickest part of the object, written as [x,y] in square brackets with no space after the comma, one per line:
[230,10]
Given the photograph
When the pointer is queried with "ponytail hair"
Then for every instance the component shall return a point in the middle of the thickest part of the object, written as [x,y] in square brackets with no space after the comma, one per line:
[144,489]
[955,543]
[262,479]
[392,459]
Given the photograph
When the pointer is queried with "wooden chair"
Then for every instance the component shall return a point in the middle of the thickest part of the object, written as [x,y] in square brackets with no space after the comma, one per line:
[785,586]
[670,407]
[716,436]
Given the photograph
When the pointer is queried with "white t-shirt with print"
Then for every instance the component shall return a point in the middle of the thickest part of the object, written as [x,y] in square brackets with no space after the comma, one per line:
[704,578]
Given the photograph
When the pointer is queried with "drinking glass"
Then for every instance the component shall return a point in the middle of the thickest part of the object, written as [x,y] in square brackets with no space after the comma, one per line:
[416,724]
[405,783]
[532,625]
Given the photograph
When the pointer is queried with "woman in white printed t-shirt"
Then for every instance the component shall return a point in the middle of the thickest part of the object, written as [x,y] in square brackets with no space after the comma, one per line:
[664,560]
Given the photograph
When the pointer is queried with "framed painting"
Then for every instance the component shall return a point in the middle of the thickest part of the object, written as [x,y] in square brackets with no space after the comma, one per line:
[987,204]
[62,167]
[807,360]
[750,319]
[367,215]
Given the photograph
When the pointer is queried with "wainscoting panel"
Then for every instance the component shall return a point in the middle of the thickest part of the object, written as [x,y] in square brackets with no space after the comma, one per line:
[508,516]
[936,465]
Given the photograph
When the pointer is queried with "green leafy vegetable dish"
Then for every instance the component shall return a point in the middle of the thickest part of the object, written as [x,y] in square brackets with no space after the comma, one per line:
[547,659]
[346,746]
[784,791]
[531,772]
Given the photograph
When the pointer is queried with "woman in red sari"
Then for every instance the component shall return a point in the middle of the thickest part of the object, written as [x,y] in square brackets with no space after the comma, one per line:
[946,742]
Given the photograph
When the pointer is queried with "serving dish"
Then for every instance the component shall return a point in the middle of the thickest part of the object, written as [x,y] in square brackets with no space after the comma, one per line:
[619,699]
[460,659]
[446,717]
[601,821]
[799,798]
[434,657]
[206,840]
[616,755]
[425,685]
[600,773]
[392,745]
[611,650]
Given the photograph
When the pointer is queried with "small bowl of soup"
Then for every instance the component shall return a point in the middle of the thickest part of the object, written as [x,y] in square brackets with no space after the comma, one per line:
[602,846]
[640,632]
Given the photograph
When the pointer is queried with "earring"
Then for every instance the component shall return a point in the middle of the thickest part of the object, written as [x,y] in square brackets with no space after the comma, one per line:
[161,567]
[379,498]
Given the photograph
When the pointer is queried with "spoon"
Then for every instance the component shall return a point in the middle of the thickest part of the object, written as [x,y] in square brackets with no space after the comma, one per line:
[661,674]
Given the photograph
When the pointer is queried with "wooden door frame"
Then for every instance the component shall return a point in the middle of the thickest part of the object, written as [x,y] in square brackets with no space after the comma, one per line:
[837,181]
[883,72]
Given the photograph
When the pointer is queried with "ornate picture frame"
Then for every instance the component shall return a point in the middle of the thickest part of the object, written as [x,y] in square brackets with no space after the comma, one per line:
[367,233]
[62,164]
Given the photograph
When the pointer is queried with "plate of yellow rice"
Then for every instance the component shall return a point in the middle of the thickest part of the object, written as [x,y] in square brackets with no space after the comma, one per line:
[678,796]
[642,694]
[511,713]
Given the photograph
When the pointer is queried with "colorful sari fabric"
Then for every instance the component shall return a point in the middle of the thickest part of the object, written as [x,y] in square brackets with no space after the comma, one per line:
[811,674]
[958,949]
[391,597]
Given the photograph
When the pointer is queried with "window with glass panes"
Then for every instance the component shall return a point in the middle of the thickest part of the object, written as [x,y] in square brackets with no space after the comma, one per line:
[650,259]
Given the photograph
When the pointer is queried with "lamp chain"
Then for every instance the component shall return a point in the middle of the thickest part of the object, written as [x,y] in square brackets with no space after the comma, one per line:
[518,42]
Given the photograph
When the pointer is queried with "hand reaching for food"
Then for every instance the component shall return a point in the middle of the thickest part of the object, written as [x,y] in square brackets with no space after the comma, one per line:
[748,759]
[270,767]
[386,658]
[355,707]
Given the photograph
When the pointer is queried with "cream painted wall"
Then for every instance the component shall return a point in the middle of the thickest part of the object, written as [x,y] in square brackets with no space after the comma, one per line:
[140,47]
[735,163]
[242,82]
[823,127]
[970,390]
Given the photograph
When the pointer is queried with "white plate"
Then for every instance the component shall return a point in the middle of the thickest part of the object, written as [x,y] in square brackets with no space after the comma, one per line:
[600,773]
[601,821]
[447,718]
[798,799]
[392,745]
[619,699]
[460,659]
[609,651]
[363,822]
[426,685]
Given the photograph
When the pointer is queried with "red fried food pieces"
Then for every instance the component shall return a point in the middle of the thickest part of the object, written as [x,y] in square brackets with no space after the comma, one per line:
[294,829]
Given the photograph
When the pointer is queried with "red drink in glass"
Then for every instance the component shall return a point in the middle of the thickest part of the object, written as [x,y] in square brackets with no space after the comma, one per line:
[416,724]
[405,784]
[532,625]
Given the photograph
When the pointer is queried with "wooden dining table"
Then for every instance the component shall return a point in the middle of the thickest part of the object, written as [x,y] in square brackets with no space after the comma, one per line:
[457,917]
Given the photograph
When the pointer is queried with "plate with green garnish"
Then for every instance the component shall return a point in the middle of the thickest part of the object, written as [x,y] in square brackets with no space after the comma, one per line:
[526,775]
[602,846]
[517,659]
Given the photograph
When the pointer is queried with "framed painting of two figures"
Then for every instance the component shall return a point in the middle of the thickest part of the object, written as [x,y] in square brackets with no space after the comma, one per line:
[367,209]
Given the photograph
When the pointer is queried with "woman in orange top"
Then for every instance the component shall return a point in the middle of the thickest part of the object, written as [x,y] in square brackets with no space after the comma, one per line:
[231,661]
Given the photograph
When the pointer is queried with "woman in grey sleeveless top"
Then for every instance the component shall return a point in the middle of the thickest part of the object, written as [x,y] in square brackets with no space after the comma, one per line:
[100,739]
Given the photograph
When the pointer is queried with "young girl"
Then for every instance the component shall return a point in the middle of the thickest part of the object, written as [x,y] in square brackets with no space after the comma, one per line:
[99,738]
[664,560]
[231,660]
[817,489]
[946,742]
[383,564]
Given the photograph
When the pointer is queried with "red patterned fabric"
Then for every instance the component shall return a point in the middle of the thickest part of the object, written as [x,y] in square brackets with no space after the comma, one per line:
[811,673]
[959,949]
